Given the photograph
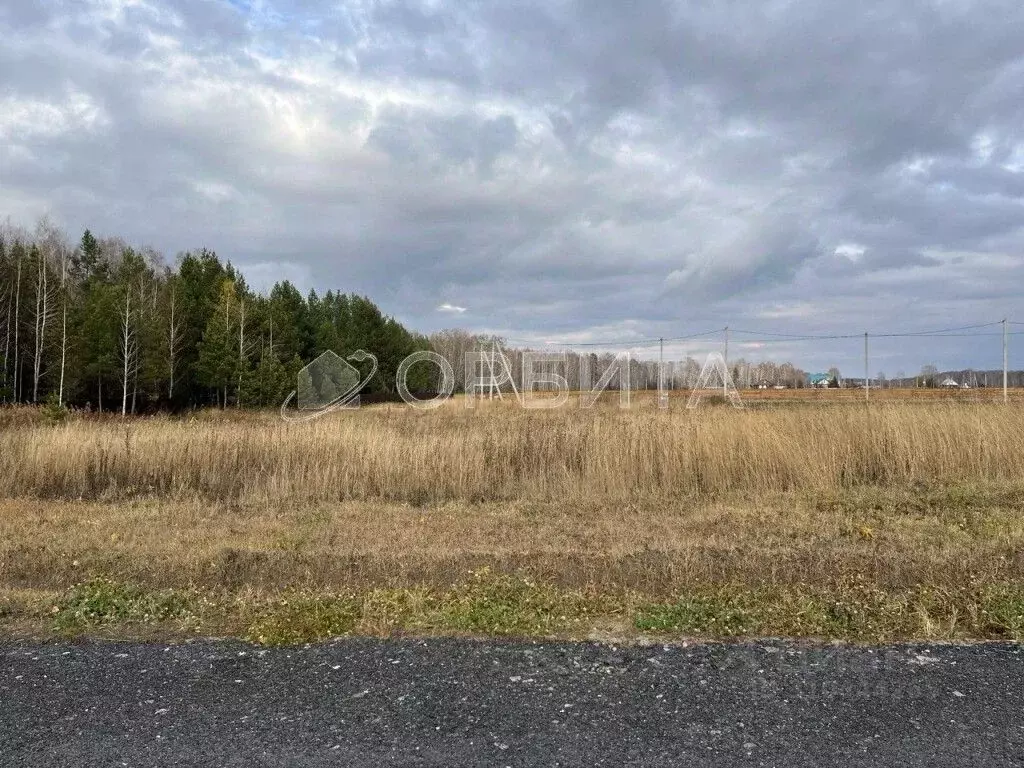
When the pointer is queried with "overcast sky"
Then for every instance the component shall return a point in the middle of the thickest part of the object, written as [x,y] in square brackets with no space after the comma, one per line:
[551,171]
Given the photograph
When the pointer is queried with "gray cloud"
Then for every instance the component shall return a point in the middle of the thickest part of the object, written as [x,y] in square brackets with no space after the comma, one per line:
[587,169]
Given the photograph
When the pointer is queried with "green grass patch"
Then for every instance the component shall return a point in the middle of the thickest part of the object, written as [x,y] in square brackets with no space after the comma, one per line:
[485,604]
[850,610]
[1002,611]
[502,604]
[714,614]
[102,602]
[297,619]
[515,605]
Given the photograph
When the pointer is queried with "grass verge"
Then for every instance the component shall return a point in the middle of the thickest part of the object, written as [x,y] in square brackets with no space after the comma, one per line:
[489,604]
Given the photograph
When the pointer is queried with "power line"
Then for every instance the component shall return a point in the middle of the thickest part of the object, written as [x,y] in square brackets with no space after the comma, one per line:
[799,336]
[878,336]
[769,337]
[941,331]
[641,342]
[904,334]
[694,335]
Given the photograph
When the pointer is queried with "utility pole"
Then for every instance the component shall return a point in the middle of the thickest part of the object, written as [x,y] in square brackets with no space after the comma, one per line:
[1006,394]
[662,395]
[725,378]
[490,378]
[661,363]
[867,384]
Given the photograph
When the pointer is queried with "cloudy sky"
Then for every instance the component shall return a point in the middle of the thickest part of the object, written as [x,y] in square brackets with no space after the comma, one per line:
[571,171]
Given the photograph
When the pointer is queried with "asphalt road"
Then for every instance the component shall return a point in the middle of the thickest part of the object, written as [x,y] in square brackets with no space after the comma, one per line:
[464,703]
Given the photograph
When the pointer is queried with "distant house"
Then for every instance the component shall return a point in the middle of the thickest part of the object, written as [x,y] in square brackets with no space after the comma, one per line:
[819,379]
[949,383]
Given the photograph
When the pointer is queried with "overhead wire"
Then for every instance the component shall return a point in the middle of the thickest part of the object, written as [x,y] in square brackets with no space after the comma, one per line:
[767,337]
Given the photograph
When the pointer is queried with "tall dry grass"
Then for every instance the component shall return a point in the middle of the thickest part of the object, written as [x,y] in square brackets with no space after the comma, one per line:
[500,451]
[895,520]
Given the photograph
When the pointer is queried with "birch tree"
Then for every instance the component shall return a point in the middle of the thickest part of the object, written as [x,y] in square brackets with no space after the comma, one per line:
[7,277]
[19,257]
[129,348]
[128,336]
[173,334]
[43,311]
[242,351]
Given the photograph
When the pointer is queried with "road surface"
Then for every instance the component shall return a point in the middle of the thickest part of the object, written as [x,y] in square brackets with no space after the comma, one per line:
[452,702]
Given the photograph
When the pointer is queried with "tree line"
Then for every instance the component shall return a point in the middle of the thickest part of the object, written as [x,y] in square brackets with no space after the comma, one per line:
[454,344]
[104,325]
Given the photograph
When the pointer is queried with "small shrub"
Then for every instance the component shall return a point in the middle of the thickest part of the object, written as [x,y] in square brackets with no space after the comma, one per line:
[53,411]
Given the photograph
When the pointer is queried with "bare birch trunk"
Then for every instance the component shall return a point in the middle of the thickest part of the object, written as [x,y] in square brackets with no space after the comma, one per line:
[64,323]
[7,341]
[241,351]
[126,345]
[17,317]
[39,322]
[172,342]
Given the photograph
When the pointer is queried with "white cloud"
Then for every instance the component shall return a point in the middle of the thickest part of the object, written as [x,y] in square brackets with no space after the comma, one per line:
[451,308]
[27,120]
[851,251]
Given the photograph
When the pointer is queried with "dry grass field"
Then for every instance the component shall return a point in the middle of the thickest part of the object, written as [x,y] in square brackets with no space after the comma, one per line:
[898,520]
[884,395]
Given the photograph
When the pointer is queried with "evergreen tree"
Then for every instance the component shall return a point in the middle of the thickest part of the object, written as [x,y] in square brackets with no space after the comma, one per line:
[289,323]
[266,384]
[200,277]
[219,361]
[99,346]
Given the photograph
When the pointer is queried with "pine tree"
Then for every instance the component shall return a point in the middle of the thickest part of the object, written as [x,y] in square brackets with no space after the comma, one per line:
[268,383]
[99,337]
[200,276]
[218,354]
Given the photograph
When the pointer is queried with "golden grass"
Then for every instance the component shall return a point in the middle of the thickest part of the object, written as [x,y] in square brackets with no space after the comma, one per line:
[502,452]
[884,395]
[939,536]
[917,505]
